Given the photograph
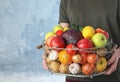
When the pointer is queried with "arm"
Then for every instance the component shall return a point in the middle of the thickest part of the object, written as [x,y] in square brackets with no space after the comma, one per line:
[63,17]
[114,60]
[64,25]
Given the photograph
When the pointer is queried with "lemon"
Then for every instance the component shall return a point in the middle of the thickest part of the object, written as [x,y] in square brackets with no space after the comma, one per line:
[88,31]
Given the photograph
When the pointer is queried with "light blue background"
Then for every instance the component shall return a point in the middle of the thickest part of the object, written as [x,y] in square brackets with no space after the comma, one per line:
[23,24]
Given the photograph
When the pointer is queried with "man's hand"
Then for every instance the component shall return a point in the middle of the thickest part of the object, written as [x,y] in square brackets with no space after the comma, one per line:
[113,62]
[44,63]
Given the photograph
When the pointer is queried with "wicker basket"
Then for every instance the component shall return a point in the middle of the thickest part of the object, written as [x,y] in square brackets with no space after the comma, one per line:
[99,51]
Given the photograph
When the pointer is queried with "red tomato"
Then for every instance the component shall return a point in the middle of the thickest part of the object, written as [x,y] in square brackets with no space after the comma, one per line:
[59,32]
[84,59]
[70,49]
[91,58]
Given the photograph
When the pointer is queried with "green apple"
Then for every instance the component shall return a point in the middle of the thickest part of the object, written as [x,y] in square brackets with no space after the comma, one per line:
[58,27]
[99,40]
[48,34]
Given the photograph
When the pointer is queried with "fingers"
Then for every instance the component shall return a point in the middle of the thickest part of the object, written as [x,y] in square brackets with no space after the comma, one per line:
[44,63]
[112,68]
[114,48]
[43,56]
[112,59]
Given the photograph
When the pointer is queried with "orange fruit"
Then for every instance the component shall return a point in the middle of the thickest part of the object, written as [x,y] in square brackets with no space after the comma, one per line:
[64,57]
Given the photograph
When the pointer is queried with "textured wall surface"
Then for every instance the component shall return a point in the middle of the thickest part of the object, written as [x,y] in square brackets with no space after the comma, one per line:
[23,24]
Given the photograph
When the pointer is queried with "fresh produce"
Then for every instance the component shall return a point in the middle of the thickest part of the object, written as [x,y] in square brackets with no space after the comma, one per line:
[70,49]
[72,36]
[57,42]
[64,57]
[59,32]
[64,68]
[88,68]
[79,50]
[84,59]
[92,58]
[48,34]
[101,64]
[54,66]
[75,68]
[57,27]
[77,58]
[100,30]
[65,29]
[53,55]
[84,43]
[48,40]
[88,31]
[99,40]
[48,61]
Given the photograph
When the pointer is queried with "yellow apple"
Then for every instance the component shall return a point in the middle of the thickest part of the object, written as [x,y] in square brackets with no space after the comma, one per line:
[101,64]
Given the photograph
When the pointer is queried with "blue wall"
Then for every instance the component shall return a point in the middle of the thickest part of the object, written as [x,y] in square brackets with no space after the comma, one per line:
[23,24]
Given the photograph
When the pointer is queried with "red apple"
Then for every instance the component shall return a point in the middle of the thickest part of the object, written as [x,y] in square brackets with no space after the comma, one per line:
[70,49]
[48,40]
[84,44]
[57,42]
[59,32]
[99,30]
[88,68]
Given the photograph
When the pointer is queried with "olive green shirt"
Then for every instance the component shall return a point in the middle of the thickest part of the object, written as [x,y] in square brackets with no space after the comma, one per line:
[98,13]
[104,14]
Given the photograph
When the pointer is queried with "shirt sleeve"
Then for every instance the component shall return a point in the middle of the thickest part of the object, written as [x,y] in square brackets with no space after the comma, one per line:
[63,18]
[118,11]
